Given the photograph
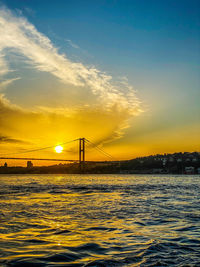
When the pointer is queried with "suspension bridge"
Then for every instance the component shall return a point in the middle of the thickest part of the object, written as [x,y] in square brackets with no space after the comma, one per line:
[81,153]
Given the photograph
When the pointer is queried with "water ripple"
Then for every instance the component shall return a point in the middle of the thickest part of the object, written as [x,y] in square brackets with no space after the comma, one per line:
[129,220]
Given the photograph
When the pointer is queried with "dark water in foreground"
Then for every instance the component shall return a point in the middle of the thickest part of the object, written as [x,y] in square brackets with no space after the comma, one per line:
[99,220]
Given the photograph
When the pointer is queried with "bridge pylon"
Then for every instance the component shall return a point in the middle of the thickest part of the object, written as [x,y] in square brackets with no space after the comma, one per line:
[82,154]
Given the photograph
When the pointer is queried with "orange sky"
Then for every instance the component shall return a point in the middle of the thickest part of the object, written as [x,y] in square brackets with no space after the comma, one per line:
[48,98]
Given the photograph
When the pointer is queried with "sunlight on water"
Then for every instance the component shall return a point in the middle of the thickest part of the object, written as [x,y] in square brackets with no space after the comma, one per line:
[99,220]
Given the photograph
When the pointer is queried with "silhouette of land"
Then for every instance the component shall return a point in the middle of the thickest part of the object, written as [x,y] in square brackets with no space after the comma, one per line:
[177,163]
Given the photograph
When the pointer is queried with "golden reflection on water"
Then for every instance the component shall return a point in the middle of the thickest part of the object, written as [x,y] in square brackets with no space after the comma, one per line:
[118,215]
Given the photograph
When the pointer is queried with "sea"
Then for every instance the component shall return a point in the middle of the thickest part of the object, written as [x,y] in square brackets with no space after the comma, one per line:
[99,220]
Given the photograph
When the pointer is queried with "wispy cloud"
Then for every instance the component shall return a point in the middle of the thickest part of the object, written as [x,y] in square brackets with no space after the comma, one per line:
[7,139]
[4,69]
[72,44]
[58,125]
[17,33]
[5,83]
[116,100]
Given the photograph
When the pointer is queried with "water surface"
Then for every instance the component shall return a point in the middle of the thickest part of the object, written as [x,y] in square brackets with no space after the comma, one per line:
[99,220]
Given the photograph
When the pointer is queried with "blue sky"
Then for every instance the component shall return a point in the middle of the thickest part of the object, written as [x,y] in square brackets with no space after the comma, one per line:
[155,39]
[131,32]
[154,44]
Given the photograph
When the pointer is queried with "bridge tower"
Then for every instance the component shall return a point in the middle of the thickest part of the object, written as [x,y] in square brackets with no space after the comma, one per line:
[81,154]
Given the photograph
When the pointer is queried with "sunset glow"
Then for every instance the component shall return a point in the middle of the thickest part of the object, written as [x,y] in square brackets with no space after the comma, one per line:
[99,132]
[130,86]
[58,149]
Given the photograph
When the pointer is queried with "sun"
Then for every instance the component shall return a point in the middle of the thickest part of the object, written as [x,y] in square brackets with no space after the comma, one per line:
[58,149]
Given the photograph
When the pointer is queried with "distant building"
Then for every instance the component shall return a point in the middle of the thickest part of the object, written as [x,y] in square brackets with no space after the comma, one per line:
[189,170]
[29,164]
[164,161]
[194,159]
[5,165]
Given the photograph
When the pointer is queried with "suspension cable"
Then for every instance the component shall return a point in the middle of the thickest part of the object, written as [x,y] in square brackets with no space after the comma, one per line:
[99,149]
[42,148]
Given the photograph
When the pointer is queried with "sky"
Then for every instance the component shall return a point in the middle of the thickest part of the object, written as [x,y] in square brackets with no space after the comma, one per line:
[123,74]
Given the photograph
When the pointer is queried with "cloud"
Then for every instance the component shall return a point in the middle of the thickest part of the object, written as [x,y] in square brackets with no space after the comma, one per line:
[72,44]
[5,83]
[3,65]
[101,120]
[49,126]
[7,139]
[20,35]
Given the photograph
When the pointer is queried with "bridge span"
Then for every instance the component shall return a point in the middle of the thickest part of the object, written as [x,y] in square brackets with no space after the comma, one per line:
[81,153]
